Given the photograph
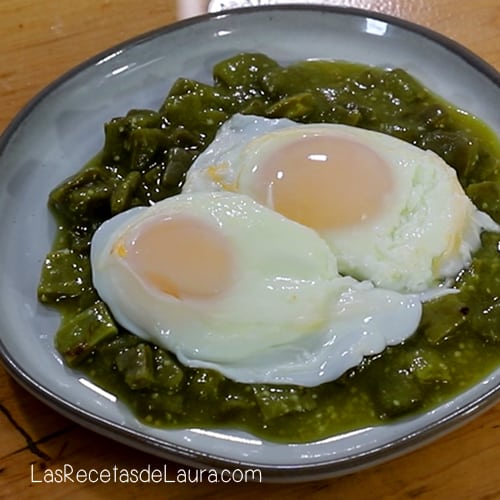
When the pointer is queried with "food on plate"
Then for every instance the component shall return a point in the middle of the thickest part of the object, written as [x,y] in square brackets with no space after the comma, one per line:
[145,168]
[392,213]
[225,283]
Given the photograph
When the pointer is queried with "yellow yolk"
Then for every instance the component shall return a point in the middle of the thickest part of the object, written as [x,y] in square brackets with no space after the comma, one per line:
[182,257]
[323,181]
[215,172]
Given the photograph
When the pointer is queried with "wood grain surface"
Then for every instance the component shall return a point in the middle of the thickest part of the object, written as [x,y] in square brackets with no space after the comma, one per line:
[39,40]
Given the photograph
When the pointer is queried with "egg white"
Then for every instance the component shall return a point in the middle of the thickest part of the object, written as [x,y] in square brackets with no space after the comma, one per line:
[288,316]
[426,233]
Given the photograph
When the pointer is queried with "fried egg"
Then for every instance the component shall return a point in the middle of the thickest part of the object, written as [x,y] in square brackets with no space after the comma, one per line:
[223,282]
[391,213]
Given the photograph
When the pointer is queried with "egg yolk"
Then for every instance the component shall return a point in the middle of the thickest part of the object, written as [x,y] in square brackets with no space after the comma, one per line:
[181,256]
[323,181]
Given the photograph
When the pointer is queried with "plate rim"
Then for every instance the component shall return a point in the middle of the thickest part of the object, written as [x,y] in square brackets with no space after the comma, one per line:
[189,456]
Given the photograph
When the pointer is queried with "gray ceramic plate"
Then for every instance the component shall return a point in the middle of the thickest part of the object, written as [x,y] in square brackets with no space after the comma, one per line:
[62,127]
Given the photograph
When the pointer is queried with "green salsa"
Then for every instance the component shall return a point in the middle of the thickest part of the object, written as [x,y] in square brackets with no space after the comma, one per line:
[145,158]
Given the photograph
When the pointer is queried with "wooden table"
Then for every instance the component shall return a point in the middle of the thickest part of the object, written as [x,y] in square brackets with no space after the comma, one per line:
[42,39]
